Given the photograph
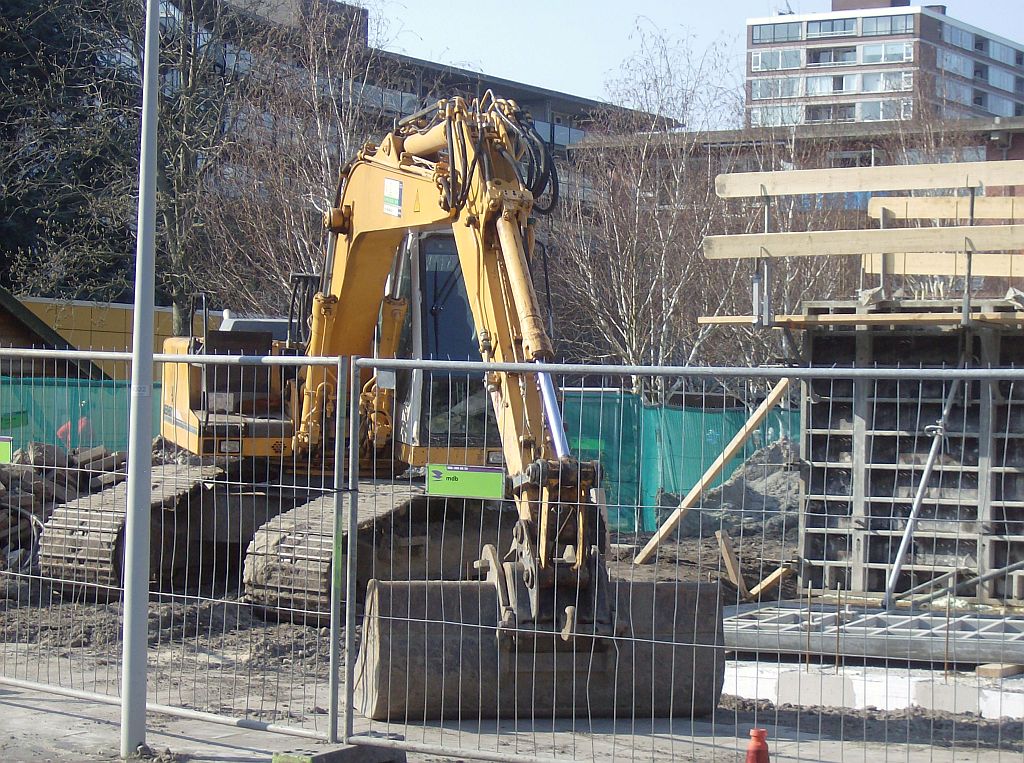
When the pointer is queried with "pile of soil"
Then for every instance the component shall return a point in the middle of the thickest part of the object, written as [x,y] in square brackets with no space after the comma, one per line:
[762,495]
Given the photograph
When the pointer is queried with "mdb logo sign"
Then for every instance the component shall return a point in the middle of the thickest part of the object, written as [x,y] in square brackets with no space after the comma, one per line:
[465,481]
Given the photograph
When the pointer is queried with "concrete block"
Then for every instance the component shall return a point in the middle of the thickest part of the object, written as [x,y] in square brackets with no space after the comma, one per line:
[951,698]
[994,703]
[347,753]
[886,692]
[751,680]
[797,687]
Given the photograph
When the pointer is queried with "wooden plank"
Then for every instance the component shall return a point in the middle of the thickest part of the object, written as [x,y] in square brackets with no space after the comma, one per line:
[725,320]
[998,669]
[904,177]
[945,264]
[771,581]
[985,238]
[732,564]
[946,208]
[871,319]
[691,498]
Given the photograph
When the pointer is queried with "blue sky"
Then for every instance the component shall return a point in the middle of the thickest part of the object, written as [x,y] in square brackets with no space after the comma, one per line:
[576,45]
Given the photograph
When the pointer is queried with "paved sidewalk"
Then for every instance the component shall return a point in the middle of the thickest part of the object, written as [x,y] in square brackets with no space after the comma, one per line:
[37,726]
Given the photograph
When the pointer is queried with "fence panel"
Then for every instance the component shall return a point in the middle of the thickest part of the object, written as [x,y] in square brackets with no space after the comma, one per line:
[239,620]
[761,608]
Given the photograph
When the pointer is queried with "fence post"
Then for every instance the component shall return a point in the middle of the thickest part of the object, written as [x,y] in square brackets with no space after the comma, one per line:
[338,533]
[140,440]
[350,562]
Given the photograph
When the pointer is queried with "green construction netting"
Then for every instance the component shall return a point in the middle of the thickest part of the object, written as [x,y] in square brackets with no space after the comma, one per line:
[35,410]
[646,451]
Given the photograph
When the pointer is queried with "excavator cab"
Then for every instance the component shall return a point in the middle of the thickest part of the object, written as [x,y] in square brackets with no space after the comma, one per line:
[439,416]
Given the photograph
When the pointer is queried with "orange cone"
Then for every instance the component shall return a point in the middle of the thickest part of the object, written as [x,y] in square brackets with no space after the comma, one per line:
[757,750]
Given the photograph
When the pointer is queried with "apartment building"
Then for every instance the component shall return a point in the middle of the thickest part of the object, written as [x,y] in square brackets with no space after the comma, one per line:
[878,60]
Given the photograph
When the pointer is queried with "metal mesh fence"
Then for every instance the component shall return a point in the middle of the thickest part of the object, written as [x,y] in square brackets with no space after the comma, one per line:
[773,515]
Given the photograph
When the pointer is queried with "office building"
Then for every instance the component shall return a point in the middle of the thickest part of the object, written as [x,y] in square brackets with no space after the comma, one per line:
[878,60]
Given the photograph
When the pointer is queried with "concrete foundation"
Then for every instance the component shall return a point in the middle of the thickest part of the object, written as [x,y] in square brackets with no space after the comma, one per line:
[879,688]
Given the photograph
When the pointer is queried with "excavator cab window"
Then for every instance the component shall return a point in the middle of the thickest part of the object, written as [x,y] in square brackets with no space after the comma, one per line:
[457,410]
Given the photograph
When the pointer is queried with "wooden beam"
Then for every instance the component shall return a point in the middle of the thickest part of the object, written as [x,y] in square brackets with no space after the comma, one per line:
[771,581]
[946,208]
[998,670]
[869,319]
[986,238]
[725,320]
[732,564]
[713,470]
[945,264]
[904,177]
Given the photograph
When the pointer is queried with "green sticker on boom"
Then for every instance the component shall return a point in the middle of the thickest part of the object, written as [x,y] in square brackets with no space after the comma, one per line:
[6,446]
[465,481]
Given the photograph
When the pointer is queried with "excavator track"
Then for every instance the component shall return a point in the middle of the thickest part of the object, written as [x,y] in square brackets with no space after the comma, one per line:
[83,541]
[402,535]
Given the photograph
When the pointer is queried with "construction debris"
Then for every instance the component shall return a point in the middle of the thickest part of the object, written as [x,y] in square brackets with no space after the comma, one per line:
[39,478]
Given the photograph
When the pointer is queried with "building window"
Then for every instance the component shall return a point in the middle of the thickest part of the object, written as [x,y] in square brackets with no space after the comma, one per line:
[831,28]
[875,25]
[887,53]
[957,36]
[888,110]
[1002,107]
[828,84]
[952,90]
[954,62]
[1018,109]
[1002,53]
[776,87]
[981,44]
[777,32]
[832,56]
[980,99]
[832,112]
[776,116]
[774,60]
[1002,79]
[870,111]
[981,72]
[887,82]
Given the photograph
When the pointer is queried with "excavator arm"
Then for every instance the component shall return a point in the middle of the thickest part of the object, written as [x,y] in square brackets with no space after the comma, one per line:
[478,168]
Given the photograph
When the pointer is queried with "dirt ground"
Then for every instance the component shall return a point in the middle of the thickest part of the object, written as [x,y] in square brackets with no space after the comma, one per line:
[910,726]
[757,507]
[218,653]
[214,654]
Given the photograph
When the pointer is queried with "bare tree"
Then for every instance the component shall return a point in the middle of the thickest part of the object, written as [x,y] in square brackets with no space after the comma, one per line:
[631,279]
[298,124]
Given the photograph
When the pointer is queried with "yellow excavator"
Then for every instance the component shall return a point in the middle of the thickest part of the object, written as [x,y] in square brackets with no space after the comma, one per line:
[431,234]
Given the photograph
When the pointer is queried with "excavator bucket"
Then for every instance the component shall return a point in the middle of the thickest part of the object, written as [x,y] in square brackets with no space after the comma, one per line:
[434,650]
